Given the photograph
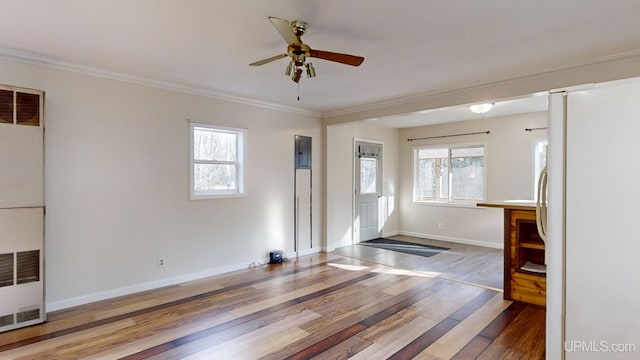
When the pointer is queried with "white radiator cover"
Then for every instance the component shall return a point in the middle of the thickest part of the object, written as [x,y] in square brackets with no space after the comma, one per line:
[21,207]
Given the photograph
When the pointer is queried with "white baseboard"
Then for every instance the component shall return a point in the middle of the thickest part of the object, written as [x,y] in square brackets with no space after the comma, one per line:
[455,240]
[390,234]
[127,290]
[304,252]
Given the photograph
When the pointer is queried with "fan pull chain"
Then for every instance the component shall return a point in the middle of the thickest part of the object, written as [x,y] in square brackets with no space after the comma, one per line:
[298,91]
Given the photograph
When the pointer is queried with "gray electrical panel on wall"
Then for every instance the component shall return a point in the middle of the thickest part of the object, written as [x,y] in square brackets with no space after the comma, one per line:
[303,152]
[302,189]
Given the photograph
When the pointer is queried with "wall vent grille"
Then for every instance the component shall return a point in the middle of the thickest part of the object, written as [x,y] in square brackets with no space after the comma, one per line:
[6,320]
[28,266]
[28,315]
[6,269]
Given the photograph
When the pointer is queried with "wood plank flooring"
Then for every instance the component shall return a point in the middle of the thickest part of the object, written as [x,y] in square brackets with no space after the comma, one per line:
[322,306]
[475,264]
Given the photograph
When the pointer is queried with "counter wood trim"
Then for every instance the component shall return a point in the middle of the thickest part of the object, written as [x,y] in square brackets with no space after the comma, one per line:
[511,205]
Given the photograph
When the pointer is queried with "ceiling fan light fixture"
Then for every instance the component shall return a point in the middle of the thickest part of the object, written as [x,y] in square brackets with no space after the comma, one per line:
[299,58]
[291,68]
[481,108]
[296,75]
[311,71]
[299,52]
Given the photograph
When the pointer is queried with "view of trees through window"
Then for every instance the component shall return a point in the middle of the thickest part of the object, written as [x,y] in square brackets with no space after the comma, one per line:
[449,174]
[217,160]
[218,152]
[368,169]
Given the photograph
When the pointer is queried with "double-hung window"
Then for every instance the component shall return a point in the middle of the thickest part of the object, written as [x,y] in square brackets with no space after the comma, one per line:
[217,161]
[449,174]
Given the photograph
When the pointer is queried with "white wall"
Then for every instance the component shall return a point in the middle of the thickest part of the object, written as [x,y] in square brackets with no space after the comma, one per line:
[340,157]
[509,165]
[117,191]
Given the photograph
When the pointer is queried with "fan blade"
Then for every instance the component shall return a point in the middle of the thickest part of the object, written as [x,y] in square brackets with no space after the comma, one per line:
[268,60]
[284,28]
[337,57]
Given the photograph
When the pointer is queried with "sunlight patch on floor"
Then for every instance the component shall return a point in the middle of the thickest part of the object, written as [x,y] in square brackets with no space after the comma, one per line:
[349,267]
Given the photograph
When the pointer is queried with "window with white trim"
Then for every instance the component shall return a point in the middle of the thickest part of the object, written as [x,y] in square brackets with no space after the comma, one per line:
[217,165]
[449,174]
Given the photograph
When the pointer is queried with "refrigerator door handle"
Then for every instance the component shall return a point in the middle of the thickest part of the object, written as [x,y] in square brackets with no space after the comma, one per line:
[541,205]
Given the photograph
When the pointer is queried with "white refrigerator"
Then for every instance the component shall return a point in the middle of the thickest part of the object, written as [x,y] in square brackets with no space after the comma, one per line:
[593,211]
[21,207]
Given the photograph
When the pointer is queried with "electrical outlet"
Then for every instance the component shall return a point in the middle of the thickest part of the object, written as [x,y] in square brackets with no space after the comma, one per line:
[161,262]
[440,226]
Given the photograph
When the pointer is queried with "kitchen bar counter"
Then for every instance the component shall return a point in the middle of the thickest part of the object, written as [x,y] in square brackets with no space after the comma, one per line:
[511,204]
[524,270]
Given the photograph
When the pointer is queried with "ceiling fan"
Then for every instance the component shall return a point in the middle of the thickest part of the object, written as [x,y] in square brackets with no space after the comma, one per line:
[299,51]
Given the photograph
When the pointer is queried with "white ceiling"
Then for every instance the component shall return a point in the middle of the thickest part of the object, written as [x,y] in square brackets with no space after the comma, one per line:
[411,47]
[451,114]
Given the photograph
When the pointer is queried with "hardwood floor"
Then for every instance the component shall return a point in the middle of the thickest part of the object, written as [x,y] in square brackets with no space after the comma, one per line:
[323,306]
[474,264]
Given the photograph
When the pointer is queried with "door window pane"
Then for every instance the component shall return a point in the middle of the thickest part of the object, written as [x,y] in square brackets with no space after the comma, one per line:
[368,170]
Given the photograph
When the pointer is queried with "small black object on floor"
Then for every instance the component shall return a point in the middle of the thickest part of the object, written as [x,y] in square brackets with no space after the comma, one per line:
[276,257]
[404,247]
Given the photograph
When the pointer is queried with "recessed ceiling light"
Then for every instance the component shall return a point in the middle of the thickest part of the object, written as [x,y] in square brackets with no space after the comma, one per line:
[481,108]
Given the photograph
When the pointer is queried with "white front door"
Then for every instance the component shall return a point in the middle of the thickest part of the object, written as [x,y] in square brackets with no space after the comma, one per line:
[368,189]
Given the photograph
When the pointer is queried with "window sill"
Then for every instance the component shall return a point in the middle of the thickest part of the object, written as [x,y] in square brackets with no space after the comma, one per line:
[217,196]
[468,205]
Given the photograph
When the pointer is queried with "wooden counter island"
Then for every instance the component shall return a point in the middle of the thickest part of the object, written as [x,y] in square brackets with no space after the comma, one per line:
[524,270]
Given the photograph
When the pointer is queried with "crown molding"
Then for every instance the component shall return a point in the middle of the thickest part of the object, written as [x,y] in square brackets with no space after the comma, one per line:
[49,62]
[404,100]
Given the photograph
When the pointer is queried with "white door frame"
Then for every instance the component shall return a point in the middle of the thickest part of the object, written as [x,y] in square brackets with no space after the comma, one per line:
[354,186]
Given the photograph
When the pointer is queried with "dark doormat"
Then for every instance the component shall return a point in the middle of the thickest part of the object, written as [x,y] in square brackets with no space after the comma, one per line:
[404,247]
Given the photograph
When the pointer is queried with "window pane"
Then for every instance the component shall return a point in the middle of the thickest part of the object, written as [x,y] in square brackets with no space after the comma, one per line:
[368,170]
[444,179]
[444,174]
[426,179]
[433,153]
[466,152]
[214,177]
[467,177]
[214,145]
